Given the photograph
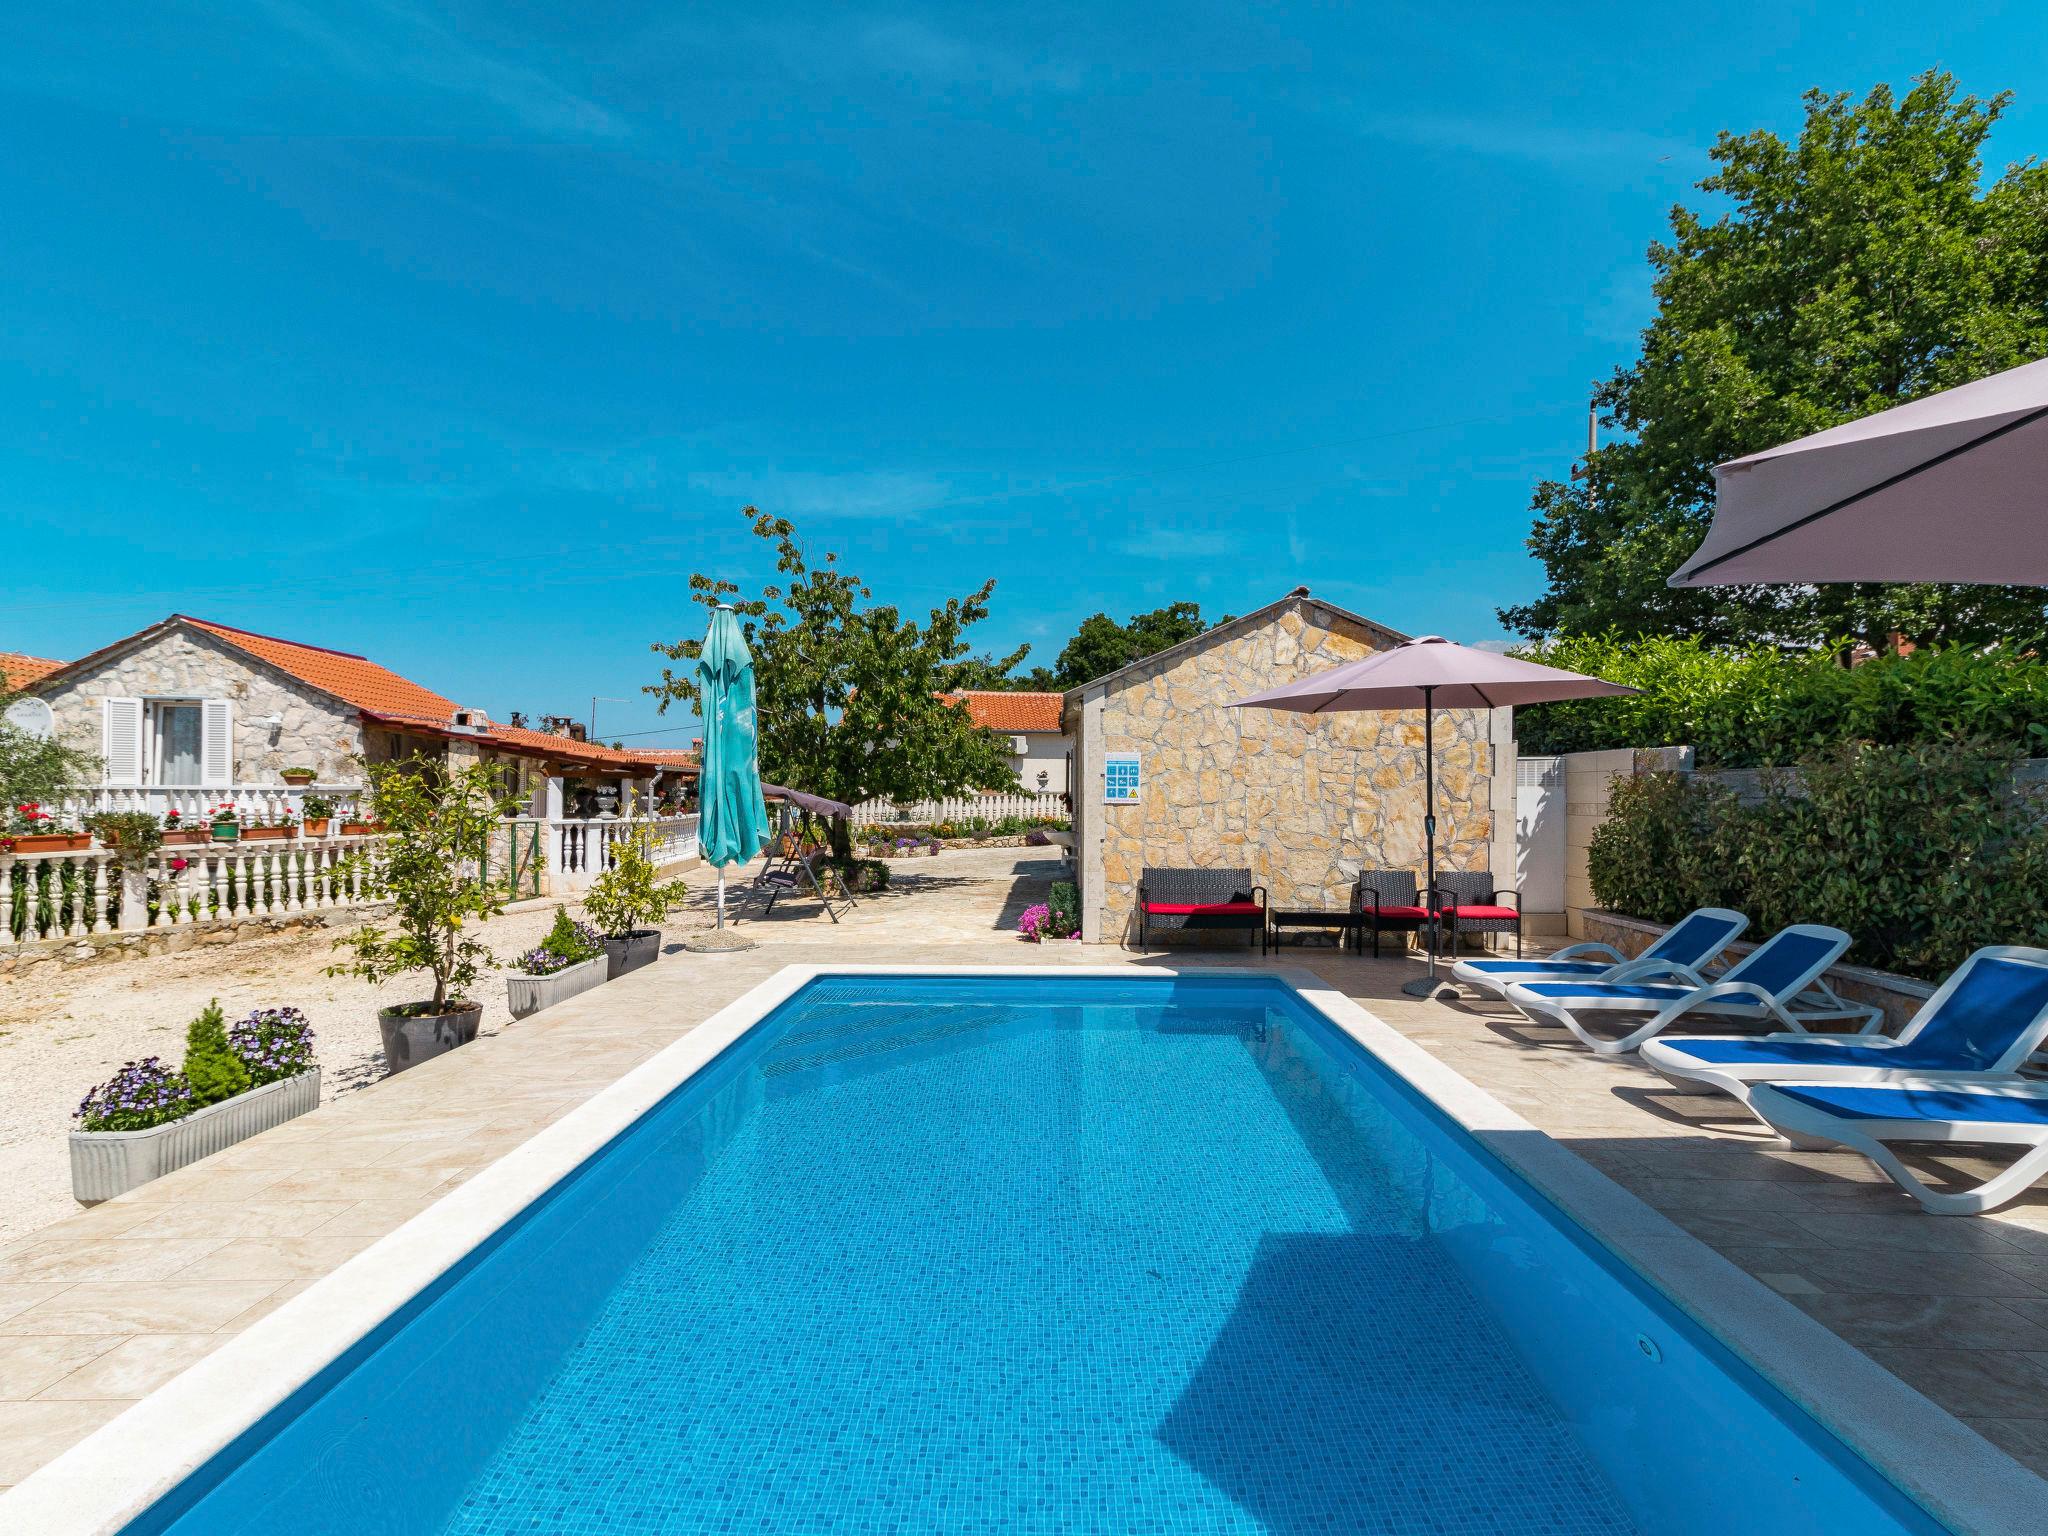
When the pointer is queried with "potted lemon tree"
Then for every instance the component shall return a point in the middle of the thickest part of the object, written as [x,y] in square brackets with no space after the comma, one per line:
[431,868]
[627,903]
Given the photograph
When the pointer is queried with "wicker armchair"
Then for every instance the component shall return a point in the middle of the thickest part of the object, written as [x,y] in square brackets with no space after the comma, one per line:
[1387,898]
[1200,899]
[1469,902]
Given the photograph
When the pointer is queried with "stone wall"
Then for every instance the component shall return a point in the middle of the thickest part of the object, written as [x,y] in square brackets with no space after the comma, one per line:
[1305,801]
[317,731]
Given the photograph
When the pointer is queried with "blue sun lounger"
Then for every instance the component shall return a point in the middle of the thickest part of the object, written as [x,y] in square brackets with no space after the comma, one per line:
[1987,1018]
[1864,1117]
[1685,948]
[1779,979]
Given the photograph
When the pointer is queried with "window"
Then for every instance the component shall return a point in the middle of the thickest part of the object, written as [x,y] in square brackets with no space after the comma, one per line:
[178,733]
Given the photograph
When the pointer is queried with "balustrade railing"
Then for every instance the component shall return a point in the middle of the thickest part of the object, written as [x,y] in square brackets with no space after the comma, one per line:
[266,804]
[76,893]
[991,807]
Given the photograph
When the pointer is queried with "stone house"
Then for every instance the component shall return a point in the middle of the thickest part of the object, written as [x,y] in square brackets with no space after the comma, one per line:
[1304,801]
[1032,722]
[189,712]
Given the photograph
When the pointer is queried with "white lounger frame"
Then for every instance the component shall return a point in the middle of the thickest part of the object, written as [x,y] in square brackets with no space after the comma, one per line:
[1740,999]
[1496,984]
[1813,1129]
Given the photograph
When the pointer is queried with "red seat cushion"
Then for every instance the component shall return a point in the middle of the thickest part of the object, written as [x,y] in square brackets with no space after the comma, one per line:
[1202,908]
[1400,914]
[1474,914]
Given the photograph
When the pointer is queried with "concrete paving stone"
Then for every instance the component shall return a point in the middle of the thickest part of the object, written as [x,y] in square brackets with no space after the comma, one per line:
[32,1433]
[1868,1319]
[276,1259]
[1971,1383]
[162,1307]
[135,1366]
[33,1364]
[106,1258]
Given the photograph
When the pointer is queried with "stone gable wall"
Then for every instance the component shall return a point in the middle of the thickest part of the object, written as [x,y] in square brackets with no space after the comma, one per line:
[1305,801]
[318,732]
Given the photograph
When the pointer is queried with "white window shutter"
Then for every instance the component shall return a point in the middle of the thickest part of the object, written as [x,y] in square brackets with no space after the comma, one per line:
[121,740]
[216,743]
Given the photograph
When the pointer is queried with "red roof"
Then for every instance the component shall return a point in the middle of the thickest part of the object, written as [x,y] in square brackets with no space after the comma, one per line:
[1010,711]
[18,670]
[355,679]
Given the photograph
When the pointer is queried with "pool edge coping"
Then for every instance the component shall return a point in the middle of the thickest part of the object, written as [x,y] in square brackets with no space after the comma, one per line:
[105,1481]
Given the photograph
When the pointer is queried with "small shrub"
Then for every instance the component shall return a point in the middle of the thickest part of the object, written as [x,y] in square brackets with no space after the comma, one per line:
[142,1094]
[1064,909]
[273,1044]
[1032,923]
[567,943]
[212,1069]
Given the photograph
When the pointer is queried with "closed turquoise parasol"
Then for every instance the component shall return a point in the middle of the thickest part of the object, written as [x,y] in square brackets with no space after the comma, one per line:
[732,820]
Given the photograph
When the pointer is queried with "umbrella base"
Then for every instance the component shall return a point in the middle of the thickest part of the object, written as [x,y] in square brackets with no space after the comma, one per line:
[1424,986]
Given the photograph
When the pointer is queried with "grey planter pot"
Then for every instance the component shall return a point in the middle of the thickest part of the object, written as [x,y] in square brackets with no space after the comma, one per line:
[640,947]
[109,1163]
[408,1041]
[526,995]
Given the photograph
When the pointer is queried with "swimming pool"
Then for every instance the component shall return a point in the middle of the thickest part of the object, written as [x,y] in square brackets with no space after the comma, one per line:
[1075,1254]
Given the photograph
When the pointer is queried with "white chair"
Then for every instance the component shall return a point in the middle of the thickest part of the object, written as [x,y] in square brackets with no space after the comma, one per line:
[1683,950]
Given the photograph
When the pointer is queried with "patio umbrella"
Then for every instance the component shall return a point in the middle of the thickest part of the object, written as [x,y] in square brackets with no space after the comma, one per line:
[732,822]
[1944,488]
[1429,673]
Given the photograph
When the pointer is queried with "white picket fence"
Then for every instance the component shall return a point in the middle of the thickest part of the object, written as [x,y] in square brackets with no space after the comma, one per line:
[990,807]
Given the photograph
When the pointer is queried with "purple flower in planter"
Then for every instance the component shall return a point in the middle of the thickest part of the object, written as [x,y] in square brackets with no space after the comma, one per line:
[273,1043]
[142,1094]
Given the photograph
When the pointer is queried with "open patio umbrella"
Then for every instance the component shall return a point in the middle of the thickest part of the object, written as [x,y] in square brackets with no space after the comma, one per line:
[1429,673]
[732,822]
[1944,488]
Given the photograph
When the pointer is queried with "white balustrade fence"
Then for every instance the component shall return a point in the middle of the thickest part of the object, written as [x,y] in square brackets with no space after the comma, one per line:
[75,893]
[991,807]
[256,803]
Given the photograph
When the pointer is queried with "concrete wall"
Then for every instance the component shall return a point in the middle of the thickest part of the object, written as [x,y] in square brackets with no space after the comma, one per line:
[1044,753]
[316,731]
[1588,782]
[1304,801]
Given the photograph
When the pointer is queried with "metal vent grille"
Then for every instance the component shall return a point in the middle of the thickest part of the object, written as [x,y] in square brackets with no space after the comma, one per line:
[1539,772]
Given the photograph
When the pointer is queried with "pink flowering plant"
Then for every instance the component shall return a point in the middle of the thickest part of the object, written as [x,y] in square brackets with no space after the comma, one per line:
[1034,921]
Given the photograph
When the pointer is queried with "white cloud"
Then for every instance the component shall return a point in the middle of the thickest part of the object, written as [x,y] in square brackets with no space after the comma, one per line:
[1552,144]
[811,493]
[1166,543]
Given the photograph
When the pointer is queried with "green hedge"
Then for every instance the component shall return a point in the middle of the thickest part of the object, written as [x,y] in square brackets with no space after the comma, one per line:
[1751,709]
[1922,852]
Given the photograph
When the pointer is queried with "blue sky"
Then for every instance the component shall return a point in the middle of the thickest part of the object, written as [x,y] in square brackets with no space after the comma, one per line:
[459,334]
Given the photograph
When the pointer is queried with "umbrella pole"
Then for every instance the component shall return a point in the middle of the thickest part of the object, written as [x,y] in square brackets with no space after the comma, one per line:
[721,895]
[1426,987]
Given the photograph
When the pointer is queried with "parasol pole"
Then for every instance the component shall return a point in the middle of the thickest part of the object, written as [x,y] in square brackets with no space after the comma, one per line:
[1426,987]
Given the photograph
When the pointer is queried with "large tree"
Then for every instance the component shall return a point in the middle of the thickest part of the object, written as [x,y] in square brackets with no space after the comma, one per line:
[1101,645]
[1865,265]
[849,690]
[34,769]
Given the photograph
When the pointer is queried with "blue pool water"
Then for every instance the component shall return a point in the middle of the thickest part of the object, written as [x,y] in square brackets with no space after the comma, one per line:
[1049,1255]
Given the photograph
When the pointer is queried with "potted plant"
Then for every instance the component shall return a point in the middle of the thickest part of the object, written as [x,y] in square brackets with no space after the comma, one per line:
[31,829]
[270,831]
[318,810]
[148,1119]
[431,868]
[298,778]
[226,822]
[569,960]
[626,902]
[180,830]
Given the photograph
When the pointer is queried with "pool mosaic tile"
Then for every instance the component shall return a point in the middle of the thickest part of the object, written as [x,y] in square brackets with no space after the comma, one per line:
[972,1268]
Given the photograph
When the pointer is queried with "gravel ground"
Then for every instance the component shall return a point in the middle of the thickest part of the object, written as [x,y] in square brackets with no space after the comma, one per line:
[59,1039]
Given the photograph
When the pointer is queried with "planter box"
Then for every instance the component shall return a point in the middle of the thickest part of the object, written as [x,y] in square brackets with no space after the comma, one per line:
[109,1163]
[265,834]
[640,947]
[52,842]
[526,995]
[316,826]
[186,837]
[227,831]
[298,780]
[411,1039]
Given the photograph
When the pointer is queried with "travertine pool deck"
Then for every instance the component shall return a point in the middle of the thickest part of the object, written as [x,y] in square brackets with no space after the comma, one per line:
[98,1309]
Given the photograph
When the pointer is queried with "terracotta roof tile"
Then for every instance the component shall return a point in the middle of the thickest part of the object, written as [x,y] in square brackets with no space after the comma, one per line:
[18,670]
[1010,711]
[356,679]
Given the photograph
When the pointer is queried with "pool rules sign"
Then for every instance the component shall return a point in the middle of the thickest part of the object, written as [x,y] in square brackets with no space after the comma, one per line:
[1120,778]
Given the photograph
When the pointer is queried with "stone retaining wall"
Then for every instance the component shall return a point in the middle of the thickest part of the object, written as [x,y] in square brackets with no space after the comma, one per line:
[106,948]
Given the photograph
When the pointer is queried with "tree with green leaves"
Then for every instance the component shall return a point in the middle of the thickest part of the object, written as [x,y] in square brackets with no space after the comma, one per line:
[35,769]
[1864,265]
[1101,645]
[849,691]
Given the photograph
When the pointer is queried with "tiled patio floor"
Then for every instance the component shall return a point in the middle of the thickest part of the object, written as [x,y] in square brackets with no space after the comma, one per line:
[97,1310]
